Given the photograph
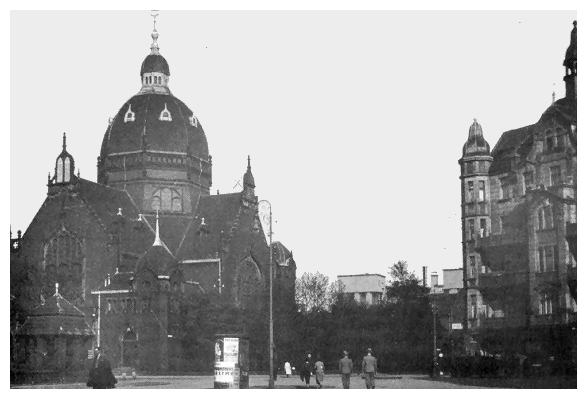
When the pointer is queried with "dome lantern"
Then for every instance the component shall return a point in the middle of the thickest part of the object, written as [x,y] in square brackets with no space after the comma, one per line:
[476,144]
[155,69]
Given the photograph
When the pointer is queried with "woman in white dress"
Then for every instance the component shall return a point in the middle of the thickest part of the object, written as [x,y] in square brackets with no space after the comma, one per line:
[287,368]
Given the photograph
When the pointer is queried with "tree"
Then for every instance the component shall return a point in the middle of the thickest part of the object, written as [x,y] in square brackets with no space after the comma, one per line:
[399,272]
[314,292]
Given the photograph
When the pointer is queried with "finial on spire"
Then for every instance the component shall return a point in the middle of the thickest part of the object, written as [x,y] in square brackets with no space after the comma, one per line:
[157,241]
[248,162]
[119,212]
[64,141]
[56,288]
[553,93]
[154,34]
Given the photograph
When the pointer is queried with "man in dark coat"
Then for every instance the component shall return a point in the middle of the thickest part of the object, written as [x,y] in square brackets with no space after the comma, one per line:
[306,370]
[369,369]
[101,376]
[345,366]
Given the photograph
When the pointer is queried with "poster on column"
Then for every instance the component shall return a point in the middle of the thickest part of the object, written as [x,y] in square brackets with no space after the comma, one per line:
[231,350]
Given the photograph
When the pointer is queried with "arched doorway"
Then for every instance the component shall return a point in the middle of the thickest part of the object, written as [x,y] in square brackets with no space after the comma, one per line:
[129,348]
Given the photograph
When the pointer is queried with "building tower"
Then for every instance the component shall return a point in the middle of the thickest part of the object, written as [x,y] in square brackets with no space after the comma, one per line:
[570,65]
[155,147]
[475,211]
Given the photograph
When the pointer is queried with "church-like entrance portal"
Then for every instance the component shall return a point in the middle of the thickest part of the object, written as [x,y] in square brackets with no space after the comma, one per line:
[128,348]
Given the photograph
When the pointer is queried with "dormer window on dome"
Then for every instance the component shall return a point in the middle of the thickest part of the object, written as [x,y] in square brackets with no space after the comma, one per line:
[64,165]
[165,115]
[194,121]
[129,116]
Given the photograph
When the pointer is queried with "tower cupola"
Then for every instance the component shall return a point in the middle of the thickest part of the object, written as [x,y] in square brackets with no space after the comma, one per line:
[155,69]
[476,144]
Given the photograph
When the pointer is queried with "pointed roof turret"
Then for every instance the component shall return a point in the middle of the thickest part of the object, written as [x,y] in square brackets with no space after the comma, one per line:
[64,165]
[476,144]
[248,179]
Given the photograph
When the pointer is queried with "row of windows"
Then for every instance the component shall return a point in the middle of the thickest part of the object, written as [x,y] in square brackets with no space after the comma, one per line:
[480,197]
[545,307]
[132,160]
[148,80]
[507,188]
[483,228]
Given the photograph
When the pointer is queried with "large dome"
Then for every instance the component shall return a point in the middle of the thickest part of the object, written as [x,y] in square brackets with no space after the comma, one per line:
[139,125]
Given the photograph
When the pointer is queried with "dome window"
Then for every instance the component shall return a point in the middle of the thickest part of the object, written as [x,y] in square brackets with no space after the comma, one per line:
[165,115]
[194,121]
[129,116]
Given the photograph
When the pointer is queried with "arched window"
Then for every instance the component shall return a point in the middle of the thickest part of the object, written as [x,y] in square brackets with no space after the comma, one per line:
[166,199]
[248,284]
[59,171]
[66,170]
[165,115]
[129,116]
[63,263]
[545,218]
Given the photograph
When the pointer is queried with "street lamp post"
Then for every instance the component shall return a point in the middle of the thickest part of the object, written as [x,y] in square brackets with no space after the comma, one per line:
[271,365]
[435,354]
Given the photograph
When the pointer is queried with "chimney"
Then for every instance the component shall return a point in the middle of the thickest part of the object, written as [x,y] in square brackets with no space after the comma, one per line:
[424,276]
[434,279]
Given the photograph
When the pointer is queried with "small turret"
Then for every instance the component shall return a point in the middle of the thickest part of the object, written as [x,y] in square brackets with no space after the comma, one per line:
[249,181]
[64,166]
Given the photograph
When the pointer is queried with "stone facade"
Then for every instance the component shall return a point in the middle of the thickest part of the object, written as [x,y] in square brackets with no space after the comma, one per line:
[517,202]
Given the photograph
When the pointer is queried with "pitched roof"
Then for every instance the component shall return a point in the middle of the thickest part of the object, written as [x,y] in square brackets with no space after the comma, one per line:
[105,200]
[520,141]
[220,214]
[57,316]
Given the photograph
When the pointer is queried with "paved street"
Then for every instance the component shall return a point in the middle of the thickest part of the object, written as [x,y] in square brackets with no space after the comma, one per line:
[258,381]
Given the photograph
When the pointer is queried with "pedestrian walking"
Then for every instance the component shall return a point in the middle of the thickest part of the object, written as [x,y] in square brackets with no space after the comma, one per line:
[369,369]
[319,370]
[287,368]
[101,376]
[306,370]
[345,367]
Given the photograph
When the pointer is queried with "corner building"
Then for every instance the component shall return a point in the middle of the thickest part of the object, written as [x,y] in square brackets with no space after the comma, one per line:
[127,250]
[519,216]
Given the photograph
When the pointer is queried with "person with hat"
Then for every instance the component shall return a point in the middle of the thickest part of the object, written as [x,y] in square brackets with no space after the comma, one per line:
[345,366]
[101,376]
[369,369]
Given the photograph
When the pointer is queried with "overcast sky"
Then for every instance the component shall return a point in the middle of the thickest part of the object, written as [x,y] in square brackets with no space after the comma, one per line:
[354,121]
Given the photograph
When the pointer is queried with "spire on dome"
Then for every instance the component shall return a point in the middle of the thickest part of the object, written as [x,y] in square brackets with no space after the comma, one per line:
[64,142]
[154,34]
[157,242]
